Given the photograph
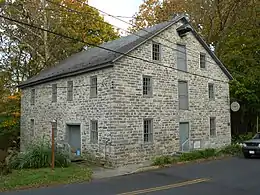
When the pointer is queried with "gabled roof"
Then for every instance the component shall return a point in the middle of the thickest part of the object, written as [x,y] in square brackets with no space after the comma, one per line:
[98,58]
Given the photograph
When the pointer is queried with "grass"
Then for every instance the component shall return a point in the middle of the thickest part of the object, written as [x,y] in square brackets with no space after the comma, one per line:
[231,150]
[32,178]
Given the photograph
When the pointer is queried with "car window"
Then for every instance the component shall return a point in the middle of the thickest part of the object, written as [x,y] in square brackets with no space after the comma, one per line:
[257,136]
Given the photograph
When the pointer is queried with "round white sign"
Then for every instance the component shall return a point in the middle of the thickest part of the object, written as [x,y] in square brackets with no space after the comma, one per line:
[235,106]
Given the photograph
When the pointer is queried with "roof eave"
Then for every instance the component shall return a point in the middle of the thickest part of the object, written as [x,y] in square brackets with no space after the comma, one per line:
[78,72]
[213,55]
[148,38]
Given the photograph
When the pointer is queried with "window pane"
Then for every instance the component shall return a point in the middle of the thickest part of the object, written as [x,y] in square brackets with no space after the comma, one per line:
[147,86]
[70,90]
[202,60]
[148,130]
[94,132]
[32,96]
[156,51]
[211,92]
[54,93]
[93,86]
[212,126]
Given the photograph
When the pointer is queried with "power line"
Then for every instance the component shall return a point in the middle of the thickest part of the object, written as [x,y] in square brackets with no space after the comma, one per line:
[89,14]
[126,22]
[144,30]
[101,47]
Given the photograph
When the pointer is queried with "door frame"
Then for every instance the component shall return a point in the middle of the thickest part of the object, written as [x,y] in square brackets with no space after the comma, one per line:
[189,128]
[67,132]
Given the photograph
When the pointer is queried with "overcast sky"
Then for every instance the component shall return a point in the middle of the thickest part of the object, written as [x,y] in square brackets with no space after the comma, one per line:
[117,8]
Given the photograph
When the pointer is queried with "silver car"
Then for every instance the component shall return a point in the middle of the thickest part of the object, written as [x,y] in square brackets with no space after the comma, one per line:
[252,147]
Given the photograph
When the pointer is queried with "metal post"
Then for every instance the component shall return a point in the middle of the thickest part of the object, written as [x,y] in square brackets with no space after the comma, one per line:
[52,147]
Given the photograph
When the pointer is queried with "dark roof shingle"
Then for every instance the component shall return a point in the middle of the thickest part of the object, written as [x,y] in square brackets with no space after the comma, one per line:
[96,58]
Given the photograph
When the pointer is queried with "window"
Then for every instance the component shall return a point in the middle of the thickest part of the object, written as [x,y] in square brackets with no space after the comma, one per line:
[32,127]
[55,129]
[156,51]
[181,57]
[183,95]
[32,96]
[148,130]
[94,132]
[202,60]
[147,86]
[54,92]
[93,86]
[212,126]
[70,91]
[211,92]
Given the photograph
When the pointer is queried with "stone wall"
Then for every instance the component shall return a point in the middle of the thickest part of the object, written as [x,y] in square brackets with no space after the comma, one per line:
[130,107]
[80,111]
[120,107]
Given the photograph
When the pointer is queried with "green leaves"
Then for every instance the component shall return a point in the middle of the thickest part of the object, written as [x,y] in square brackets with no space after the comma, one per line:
[26,50]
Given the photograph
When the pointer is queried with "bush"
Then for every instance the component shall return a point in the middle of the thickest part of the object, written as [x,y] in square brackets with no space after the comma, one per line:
[39,156]
[241,138]
[234,149]
[198,154]
[4,169]
[164,160]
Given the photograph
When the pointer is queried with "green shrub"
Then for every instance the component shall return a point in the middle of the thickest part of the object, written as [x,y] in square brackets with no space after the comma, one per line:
[241,138]
[164,160]
[39,156]
[198,154]
[234,149]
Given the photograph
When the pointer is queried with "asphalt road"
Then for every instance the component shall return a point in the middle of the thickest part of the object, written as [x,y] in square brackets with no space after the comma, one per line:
[222,177]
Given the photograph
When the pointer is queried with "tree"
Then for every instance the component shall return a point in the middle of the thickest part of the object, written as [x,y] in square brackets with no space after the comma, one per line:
[231,26]
[212,18]
[26,51]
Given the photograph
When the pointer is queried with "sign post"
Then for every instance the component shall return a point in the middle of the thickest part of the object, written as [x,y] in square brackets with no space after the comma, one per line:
[52,146]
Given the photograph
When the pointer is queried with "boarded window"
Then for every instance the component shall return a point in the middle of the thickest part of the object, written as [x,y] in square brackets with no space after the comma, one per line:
[202,60]
[93,86]
[32,124]
[54,92]
[211,92]
[70,91]
[212,126]
[181,57]
[156,51]
[94,132]
[33,97]
[147,86]
[183,95]
[148,130]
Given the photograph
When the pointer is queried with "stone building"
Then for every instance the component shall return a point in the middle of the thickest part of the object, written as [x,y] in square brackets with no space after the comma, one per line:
[163,90]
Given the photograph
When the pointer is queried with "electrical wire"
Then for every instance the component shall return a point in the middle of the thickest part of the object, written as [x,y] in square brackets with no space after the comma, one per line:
[111,50]
[89,14]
